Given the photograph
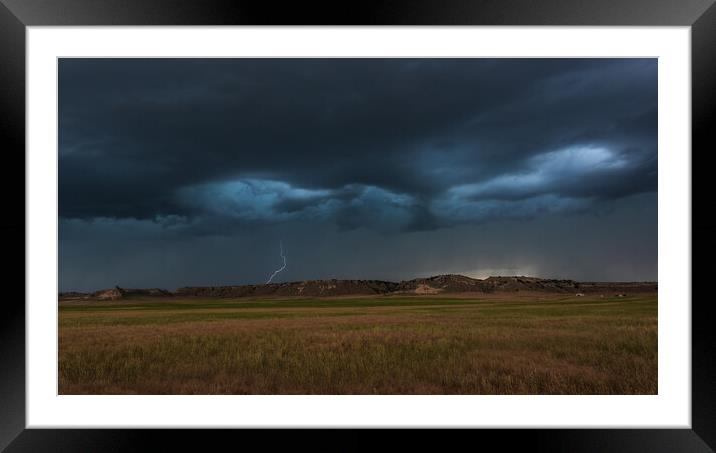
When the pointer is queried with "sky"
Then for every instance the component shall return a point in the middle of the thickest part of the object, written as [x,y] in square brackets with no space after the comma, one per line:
[194,172]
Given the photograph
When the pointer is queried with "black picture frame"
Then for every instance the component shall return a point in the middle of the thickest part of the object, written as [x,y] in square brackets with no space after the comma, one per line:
[16,15]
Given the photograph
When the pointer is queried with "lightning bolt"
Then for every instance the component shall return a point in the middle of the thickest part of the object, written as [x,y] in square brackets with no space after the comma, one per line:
[280,268]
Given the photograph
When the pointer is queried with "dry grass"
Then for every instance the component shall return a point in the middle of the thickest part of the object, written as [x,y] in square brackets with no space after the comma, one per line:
[417,345]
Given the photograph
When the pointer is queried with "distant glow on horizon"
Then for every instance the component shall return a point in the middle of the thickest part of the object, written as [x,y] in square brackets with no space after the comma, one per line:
[482,274]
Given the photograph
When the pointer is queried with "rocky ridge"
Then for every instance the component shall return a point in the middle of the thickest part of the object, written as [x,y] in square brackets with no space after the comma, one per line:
[439,284]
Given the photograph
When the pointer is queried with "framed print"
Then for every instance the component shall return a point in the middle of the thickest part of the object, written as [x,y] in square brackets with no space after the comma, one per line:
[451,216]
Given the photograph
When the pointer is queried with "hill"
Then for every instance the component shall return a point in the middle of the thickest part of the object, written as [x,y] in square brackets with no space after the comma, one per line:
[439,284]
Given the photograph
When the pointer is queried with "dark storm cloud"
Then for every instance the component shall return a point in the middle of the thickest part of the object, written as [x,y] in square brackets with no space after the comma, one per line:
[392,144]
[189,172]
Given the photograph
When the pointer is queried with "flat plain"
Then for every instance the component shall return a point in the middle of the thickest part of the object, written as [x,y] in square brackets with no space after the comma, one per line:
[461,344]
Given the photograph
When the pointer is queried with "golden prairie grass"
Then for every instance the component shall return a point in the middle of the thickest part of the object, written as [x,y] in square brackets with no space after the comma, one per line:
[418,345]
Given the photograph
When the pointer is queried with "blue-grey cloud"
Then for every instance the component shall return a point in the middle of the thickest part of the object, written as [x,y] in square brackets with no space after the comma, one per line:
[138,131]
[197,148]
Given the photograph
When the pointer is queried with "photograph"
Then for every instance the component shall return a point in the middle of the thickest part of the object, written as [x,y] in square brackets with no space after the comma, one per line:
[464,216]
[357,226]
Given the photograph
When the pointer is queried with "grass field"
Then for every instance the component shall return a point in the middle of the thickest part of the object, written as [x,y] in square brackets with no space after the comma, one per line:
[385,345]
